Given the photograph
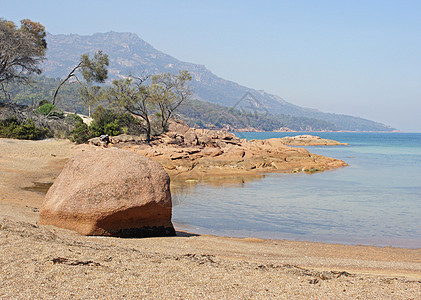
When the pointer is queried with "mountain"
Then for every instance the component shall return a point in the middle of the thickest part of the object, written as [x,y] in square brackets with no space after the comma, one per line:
[130,55]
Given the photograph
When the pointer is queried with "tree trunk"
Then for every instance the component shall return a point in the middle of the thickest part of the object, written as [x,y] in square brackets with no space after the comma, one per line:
[71,74]
[148,130]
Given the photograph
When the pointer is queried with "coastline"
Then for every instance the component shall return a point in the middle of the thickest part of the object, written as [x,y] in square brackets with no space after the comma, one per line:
[184,266]
[63,264]
[344,240]
[201,153]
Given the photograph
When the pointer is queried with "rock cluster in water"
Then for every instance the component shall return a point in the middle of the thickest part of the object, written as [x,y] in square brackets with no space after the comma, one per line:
[309,140]
[201,152]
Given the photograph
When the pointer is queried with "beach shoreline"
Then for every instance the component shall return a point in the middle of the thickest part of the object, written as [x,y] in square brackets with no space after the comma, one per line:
[62,263]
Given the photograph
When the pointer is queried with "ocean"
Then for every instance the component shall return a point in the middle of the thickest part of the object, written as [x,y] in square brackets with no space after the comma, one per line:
[376,200]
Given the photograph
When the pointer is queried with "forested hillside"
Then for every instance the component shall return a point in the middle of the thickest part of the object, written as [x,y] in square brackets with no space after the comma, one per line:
[202,114]
[130,55]
[195,113]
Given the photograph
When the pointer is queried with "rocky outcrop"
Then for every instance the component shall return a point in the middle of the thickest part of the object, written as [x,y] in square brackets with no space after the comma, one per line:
[110,192]
[195,152]
[180,133]
[57,126]
[122,138]
[190,152]
[309,140]
[284,129]
[252,158]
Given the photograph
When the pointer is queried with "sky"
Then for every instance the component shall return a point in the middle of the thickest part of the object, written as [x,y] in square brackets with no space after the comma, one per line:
[361,58]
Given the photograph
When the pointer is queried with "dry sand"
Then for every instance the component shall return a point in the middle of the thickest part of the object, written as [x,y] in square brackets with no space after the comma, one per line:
[45,262]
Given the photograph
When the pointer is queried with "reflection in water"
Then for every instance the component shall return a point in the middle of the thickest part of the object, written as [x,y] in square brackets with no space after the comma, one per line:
[376,200]
[181,187]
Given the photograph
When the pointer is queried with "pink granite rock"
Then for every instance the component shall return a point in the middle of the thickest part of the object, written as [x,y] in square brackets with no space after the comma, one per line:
[110,192]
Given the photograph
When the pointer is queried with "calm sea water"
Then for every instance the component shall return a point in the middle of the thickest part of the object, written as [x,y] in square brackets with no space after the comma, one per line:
[376,200]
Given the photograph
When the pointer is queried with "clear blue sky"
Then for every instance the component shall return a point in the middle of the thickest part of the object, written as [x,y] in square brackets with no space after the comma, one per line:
[355,57]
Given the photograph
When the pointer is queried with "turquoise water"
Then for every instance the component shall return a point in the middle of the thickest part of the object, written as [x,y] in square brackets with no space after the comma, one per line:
[376,200]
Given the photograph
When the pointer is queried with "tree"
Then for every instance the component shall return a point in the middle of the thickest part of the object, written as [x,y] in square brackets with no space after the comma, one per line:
[164,94]
[169,92]
[92,70]
[133,96]
[21,51]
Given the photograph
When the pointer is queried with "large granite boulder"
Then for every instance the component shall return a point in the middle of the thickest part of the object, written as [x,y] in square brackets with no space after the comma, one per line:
[110,192]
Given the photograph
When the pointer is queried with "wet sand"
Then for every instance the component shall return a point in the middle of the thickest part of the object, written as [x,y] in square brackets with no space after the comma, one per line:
[46,262]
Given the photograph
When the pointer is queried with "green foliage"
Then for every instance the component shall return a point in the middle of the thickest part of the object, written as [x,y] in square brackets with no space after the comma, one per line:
[95,69]
[42,102]
[103,116]
[81,133]
[28,131]
[49,109]
[107,121]
[12,128]
[92,70]
[129,124]
[195,113]
[208,115]
[127,120]
[96,130]
[21,51]
[168,92]
[90,94]
[125,130]
[42,88]
[8,127]
[112,129]
[104,122]
[155,103]
[73,119]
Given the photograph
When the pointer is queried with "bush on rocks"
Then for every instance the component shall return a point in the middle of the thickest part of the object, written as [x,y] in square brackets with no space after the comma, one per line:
[48,109]
[12,128]
[112,123]
[81,132]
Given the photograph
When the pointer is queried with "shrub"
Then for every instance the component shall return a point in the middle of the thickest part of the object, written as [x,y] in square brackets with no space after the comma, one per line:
[81,133]
[106,121]
[46,108]
[103,116]
[12,128]
[112,129]
[42,102]
[7,126]
[49,109]
[96,129]
[73,119]
[129,124]
[27,131]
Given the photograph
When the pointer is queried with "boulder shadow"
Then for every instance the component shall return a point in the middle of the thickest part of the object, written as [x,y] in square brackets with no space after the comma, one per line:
[185,234]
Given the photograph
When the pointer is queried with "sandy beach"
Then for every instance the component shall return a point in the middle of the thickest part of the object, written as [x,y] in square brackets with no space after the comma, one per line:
[44,262]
